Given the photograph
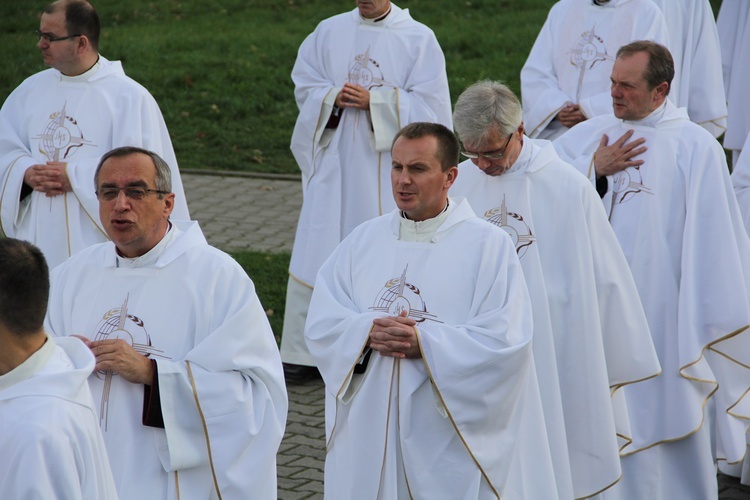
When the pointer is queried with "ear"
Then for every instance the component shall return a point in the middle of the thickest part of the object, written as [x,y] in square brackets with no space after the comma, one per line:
[450,176]
[168,204]
[661,90]
[83,44]
[521,128]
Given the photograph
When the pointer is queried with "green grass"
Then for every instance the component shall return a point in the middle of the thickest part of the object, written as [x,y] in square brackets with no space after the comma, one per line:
[220,70]
[269,273]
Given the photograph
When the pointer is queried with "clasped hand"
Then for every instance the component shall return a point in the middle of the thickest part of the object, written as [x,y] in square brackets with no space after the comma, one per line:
[49,178]
[395,336]
[353,96]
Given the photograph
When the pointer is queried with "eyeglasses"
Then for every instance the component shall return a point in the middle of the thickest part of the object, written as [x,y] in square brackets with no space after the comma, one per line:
[133,193]
[488,156]
[52,38]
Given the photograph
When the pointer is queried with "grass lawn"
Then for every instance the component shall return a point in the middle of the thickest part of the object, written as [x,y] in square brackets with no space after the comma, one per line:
[269,273]
[220,69]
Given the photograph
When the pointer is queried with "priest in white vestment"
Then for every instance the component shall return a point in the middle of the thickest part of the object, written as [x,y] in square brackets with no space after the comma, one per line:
[734,37]
[57,124]
[671,205]
[694,44]
[359,77]
[741,183]
[591,336]
[188,380]
[50,442]
[565,79]
[421,326]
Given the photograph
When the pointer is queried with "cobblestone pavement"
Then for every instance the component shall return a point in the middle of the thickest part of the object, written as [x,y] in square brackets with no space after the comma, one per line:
[245,213]
[260,213]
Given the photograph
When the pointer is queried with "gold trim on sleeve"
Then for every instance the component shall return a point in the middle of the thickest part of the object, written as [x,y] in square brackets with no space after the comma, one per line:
[300,281]
[546,121]
[450,416]
[341,390]
[205,428]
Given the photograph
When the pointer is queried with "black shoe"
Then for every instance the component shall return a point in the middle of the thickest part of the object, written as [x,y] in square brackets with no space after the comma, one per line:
[300,373]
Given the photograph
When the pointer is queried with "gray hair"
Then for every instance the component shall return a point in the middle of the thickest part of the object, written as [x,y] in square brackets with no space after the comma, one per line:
[163,173]
[484,109]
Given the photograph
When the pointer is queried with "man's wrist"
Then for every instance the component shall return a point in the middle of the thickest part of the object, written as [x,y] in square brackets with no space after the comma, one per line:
[602,185]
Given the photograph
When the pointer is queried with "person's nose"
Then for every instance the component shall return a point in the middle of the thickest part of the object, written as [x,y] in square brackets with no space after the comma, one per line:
[483,163]
[122,202]
[404,179]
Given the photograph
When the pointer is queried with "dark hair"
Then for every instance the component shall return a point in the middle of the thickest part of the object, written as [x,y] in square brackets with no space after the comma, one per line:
[448,148]
[660,62]
[81,18]
[24,286]
[163,174]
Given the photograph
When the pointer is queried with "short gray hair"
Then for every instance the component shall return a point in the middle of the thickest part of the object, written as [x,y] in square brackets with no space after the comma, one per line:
[163,173]
[485,108]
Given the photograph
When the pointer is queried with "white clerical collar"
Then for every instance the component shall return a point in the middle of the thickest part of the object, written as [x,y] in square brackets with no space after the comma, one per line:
[83,76]
[28,368]
[375,22]
[424,230]
[652,119]
[524,157]
[150,257]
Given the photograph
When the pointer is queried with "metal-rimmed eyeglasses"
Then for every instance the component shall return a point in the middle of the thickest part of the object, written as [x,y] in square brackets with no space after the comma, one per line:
[132,192]
[493,155]
[53,38]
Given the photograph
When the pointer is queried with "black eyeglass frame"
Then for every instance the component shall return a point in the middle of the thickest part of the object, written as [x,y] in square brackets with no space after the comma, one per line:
[52,38]
[489,156]
[131,193]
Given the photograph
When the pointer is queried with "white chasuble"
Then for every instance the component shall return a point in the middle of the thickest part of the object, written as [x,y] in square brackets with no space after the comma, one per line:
[346,170]
[49,433]
[572,58]
[694,44]
[223,398]
[465,420]
[590,333]
[741,183]
[679,225]
[50,117]
[733,24]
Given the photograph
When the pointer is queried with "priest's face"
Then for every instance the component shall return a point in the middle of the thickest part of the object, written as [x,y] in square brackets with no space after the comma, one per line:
[420,186]
[631,97]
[61,54]
[496,154]
[373,9]
[135,226]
